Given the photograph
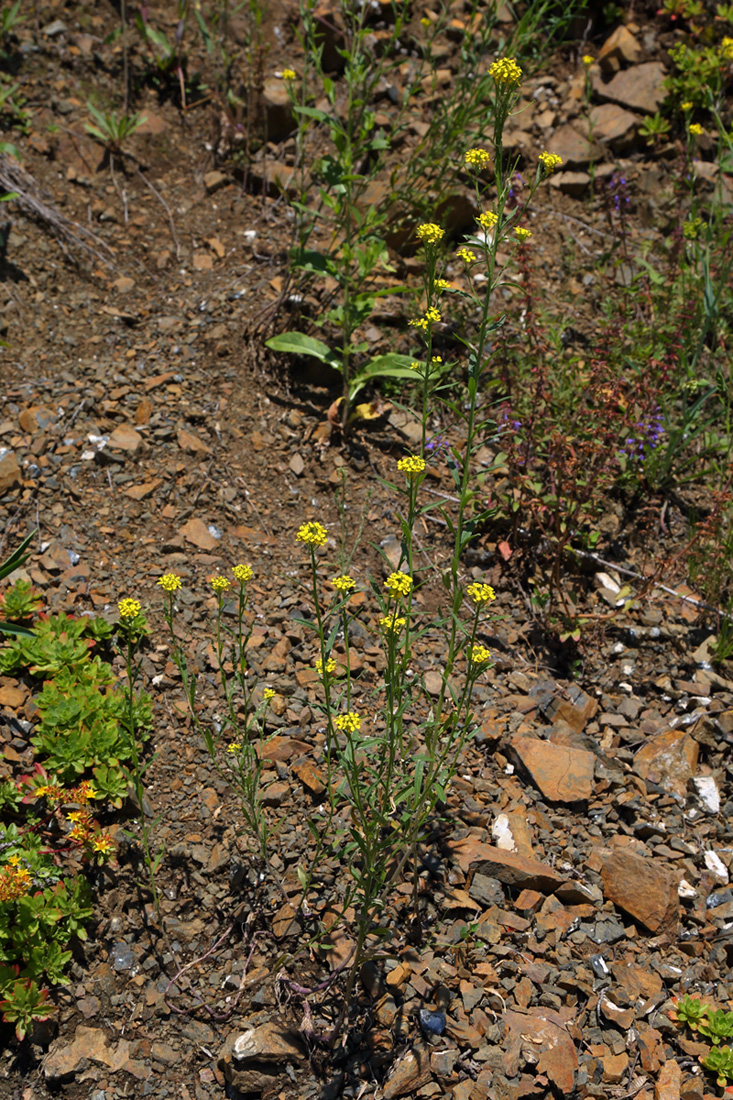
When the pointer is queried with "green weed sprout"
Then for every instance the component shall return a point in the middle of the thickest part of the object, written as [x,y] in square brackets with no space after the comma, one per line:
[132,628]
[112,130]
[11,563]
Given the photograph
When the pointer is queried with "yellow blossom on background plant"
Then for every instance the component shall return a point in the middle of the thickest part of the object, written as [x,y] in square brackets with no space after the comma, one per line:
[392,624]
[288,74]
[411,465]
[344,583]
[725,48]
[479,654]
[477,158]
[549,161]
[129,609]
[349,722]
[437,359]
[414,365]
[425,21]
[169,582]
[430,317]
[103,844]
[398,585]
[506,71]
[242,573]
[442,284]
[691,228]
[588,60]
[522,233]
[695,128]
[480,593]
[487,220]
[467,255]
[312,534]
[268,694]
[687,105]
[219,584]
[429,233]
[234,747]
[329,667]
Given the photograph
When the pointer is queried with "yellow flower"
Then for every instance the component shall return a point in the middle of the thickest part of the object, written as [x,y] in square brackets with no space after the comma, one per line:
[442,284]
[467,255]
[431,317]
[219,584]
[480,593]
[522,234]
[398,584]
[349,722]
[726,48]
[170,582]
[344,583]
[75,816]
[479,654]
[487,220]
[234,747]
[414,365]
[129,609]
[695,128]
[242,573]
[588,60]
[691,228]
[288,74]
[41,791]
[329,667]
[103,844]
[392,624]
[85,791]
[477,158]
[312,534]
[411,466]
[268,694]
[687,105]
[437,359]
[14,860]
[425,22]
[506,71]
[429,233]
[79,832]
[549,161]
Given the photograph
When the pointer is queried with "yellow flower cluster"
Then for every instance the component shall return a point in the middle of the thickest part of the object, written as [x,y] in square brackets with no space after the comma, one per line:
[695,128]
[329,667]
[687,105]
[549,161]
[691,228]
[481,593]
[477,158]
[268,694]
[349,722]
[392,624]
[479,654]
[312,534]
[429,233]
[14,880]
[219,584]
[506,71]
[588,59]
[522,234]
[437,359]
[725,48]
[242,573]
[412,465]
[398,585]
[414,365]
[103,843]
[487,220]
[234,747]
[129,609]
[431,317]
[442,284]
[288,74]
[170,582]
[467,255]
[344,583]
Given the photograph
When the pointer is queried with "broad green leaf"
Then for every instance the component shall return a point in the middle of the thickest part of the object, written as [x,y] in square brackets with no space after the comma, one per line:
[297,343]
